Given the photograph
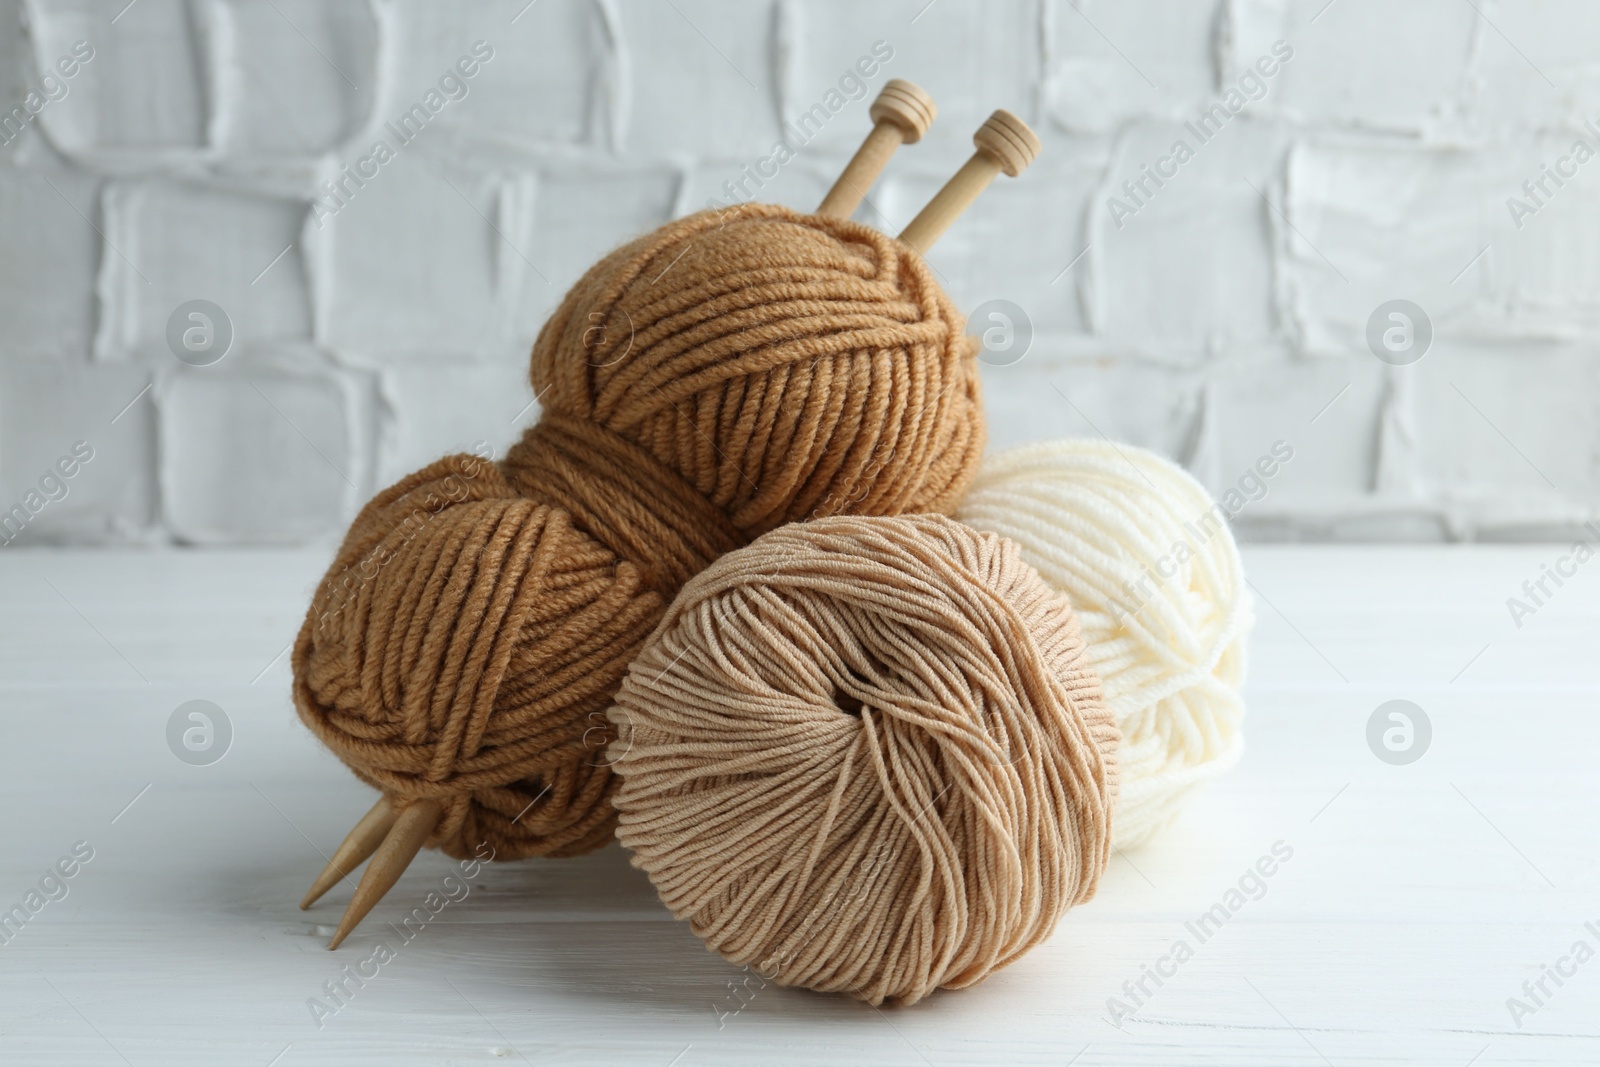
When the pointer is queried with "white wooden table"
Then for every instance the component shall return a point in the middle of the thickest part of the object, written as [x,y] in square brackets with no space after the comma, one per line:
[1418,898]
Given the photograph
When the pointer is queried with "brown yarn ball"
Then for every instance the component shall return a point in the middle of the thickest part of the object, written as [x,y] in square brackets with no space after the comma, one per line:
[868,756]
[786,365]
[479,617]
[464,646]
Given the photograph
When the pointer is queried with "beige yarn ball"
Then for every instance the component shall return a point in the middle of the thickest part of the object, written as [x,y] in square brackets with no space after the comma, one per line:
[868,756]
[1150,564]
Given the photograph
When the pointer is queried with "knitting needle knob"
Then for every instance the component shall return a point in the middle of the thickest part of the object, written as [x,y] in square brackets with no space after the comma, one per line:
[900,115]
[1005,144]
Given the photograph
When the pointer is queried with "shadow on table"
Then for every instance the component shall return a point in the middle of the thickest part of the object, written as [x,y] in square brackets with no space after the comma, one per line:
[586,934]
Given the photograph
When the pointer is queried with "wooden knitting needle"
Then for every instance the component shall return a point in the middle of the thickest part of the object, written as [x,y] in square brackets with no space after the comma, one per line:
[399,848]
[362,842]
[1004,144]
[901,114]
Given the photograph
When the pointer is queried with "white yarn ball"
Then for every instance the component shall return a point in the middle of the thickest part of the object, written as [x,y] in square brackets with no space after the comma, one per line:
[1101,523]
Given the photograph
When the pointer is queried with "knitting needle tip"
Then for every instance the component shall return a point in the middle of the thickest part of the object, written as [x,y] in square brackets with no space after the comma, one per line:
[361,842]
[399,847]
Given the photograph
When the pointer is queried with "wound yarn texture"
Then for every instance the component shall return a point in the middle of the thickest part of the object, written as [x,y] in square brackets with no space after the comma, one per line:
[787,366]
[722,375]
[868,755]
[1150,564]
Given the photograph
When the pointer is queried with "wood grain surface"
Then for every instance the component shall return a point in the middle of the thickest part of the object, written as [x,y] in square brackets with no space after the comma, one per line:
[1416,901]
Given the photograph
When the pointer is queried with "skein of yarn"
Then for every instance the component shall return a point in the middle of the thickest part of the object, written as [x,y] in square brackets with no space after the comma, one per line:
[1149,563]
[868,756]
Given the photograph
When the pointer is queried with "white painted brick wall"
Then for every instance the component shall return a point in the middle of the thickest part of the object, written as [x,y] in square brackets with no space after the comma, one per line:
[1226,312]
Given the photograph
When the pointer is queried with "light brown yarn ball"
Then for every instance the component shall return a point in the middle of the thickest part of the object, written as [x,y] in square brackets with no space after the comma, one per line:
[463,647]
[868,756]
[718,376]
[786,365]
